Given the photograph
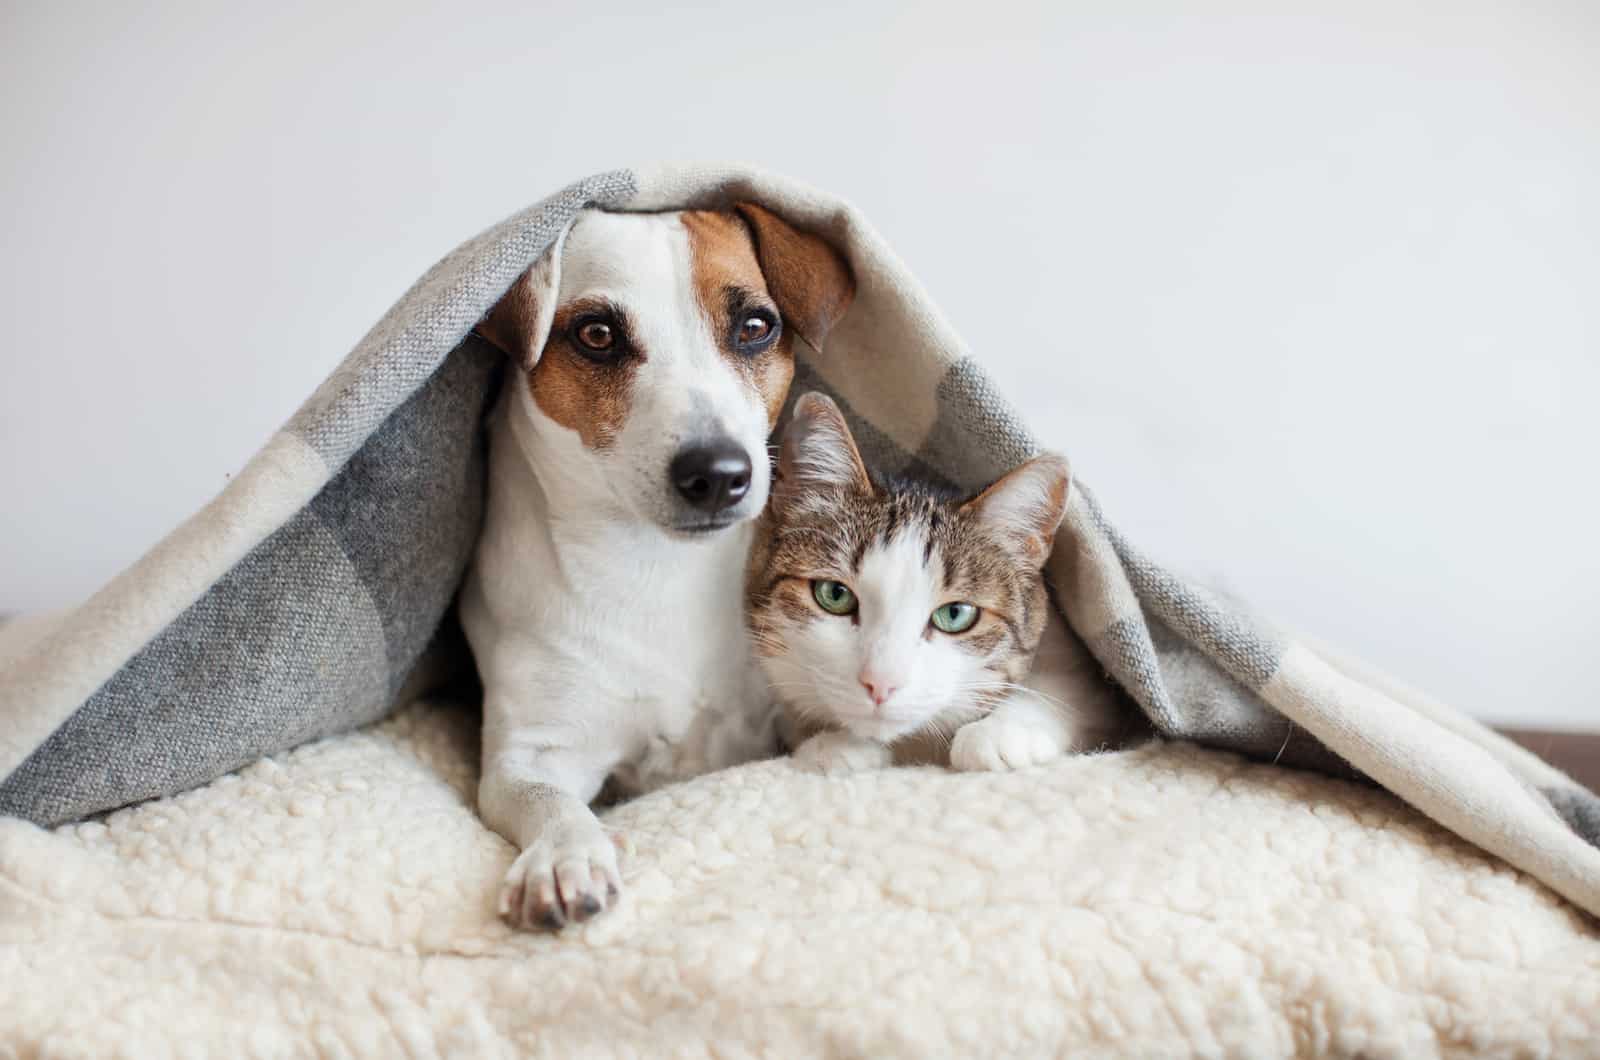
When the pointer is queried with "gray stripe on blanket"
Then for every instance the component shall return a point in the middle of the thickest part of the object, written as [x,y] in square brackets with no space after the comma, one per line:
[286,643]
[1224,628]
[409,505]
[405,347]
[1578,807]
[1249,652]
[977,436]
[1214,707]
[311,633]
[882,453]
[1187,696]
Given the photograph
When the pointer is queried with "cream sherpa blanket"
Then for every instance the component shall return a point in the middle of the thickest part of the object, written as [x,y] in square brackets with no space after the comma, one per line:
[1162,902]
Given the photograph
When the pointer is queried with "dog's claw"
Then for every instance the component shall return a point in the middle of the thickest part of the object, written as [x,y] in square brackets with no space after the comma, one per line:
[553,884]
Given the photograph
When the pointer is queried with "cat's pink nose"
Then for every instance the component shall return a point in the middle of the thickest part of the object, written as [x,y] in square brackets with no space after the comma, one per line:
[879,689]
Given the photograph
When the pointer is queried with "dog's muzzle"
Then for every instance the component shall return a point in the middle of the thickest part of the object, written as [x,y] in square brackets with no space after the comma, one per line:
[712,476]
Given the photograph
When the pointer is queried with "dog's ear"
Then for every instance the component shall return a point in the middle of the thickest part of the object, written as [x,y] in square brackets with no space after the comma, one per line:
[1027,504]
[810,280]
[520,322]
[818,452]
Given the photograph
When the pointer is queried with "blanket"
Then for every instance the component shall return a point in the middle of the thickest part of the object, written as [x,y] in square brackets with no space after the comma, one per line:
[311,596]
[1167,901]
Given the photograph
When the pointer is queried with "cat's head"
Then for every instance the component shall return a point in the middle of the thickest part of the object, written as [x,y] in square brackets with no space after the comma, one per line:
[884,608]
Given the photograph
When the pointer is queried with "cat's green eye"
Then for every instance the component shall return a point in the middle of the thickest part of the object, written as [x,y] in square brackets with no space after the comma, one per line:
[834,597]
[955,618]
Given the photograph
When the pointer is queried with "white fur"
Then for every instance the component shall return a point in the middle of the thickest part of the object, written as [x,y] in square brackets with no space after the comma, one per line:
[607,643]
[837,752]
[830,660]
[1022,731]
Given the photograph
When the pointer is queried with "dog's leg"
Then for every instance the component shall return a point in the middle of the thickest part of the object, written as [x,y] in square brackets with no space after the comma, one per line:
[538,799]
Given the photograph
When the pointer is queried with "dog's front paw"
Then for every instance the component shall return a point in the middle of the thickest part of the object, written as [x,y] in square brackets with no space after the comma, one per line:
[838,753]
[561,879]
[999,742]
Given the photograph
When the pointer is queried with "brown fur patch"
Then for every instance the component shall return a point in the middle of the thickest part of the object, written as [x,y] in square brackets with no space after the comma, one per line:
[580,394]
[796,275]
[811,281]
[723,261]
[510,321]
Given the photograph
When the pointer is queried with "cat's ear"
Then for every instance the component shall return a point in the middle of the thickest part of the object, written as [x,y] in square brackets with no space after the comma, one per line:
[818,452]
[1027,505]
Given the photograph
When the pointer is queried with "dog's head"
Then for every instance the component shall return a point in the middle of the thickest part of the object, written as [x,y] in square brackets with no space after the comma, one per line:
[658,350]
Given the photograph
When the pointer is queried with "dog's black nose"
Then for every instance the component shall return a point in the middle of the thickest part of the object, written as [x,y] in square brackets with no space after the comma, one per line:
[714,476]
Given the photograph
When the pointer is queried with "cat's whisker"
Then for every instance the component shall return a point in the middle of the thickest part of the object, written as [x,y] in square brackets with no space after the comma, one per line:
[1059,704]
[1012,686]
[816,674]
[942,731]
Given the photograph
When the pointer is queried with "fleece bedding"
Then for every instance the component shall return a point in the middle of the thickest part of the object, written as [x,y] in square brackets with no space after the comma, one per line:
[1165,901]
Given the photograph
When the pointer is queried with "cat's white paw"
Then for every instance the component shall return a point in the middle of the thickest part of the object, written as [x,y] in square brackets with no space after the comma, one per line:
[561,879]
[1001,742]
[838,753]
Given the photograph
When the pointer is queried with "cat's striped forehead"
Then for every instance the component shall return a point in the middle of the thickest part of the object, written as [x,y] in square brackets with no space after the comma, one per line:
[832,532]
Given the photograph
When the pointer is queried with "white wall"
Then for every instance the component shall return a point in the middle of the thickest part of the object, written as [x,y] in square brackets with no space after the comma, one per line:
[1313,300]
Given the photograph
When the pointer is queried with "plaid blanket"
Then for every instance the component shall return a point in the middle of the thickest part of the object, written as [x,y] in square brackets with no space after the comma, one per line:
[313,594]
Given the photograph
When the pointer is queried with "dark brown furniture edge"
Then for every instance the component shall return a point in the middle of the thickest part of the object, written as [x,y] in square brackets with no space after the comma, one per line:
[1576,754]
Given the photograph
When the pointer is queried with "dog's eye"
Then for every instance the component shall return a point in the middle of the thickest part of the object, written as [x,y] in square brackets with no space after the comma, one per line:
[597,335]
[755,330]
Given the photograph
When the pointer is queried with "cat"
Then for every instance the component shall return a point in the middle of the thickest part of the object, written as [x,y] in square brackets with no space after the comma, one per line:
[891,617]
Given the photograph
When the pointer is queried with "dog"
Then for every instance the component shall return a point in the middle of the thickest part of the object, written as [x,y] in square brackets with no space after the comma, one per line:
[652,355]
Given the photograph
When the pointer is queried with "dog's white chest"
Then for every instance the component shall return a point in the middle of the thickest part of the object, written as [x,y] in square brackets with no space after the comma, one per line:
[685,693]
[614,641]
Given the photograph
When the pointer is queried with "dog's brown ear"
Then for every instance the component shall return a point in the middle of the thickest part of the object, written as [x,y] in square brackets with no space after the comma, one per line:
[810,280]
[519,323]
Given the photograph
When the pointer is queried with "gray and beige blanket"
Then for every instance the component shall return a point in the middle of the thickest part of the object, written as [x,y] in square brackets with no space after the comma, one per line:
[312,595]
